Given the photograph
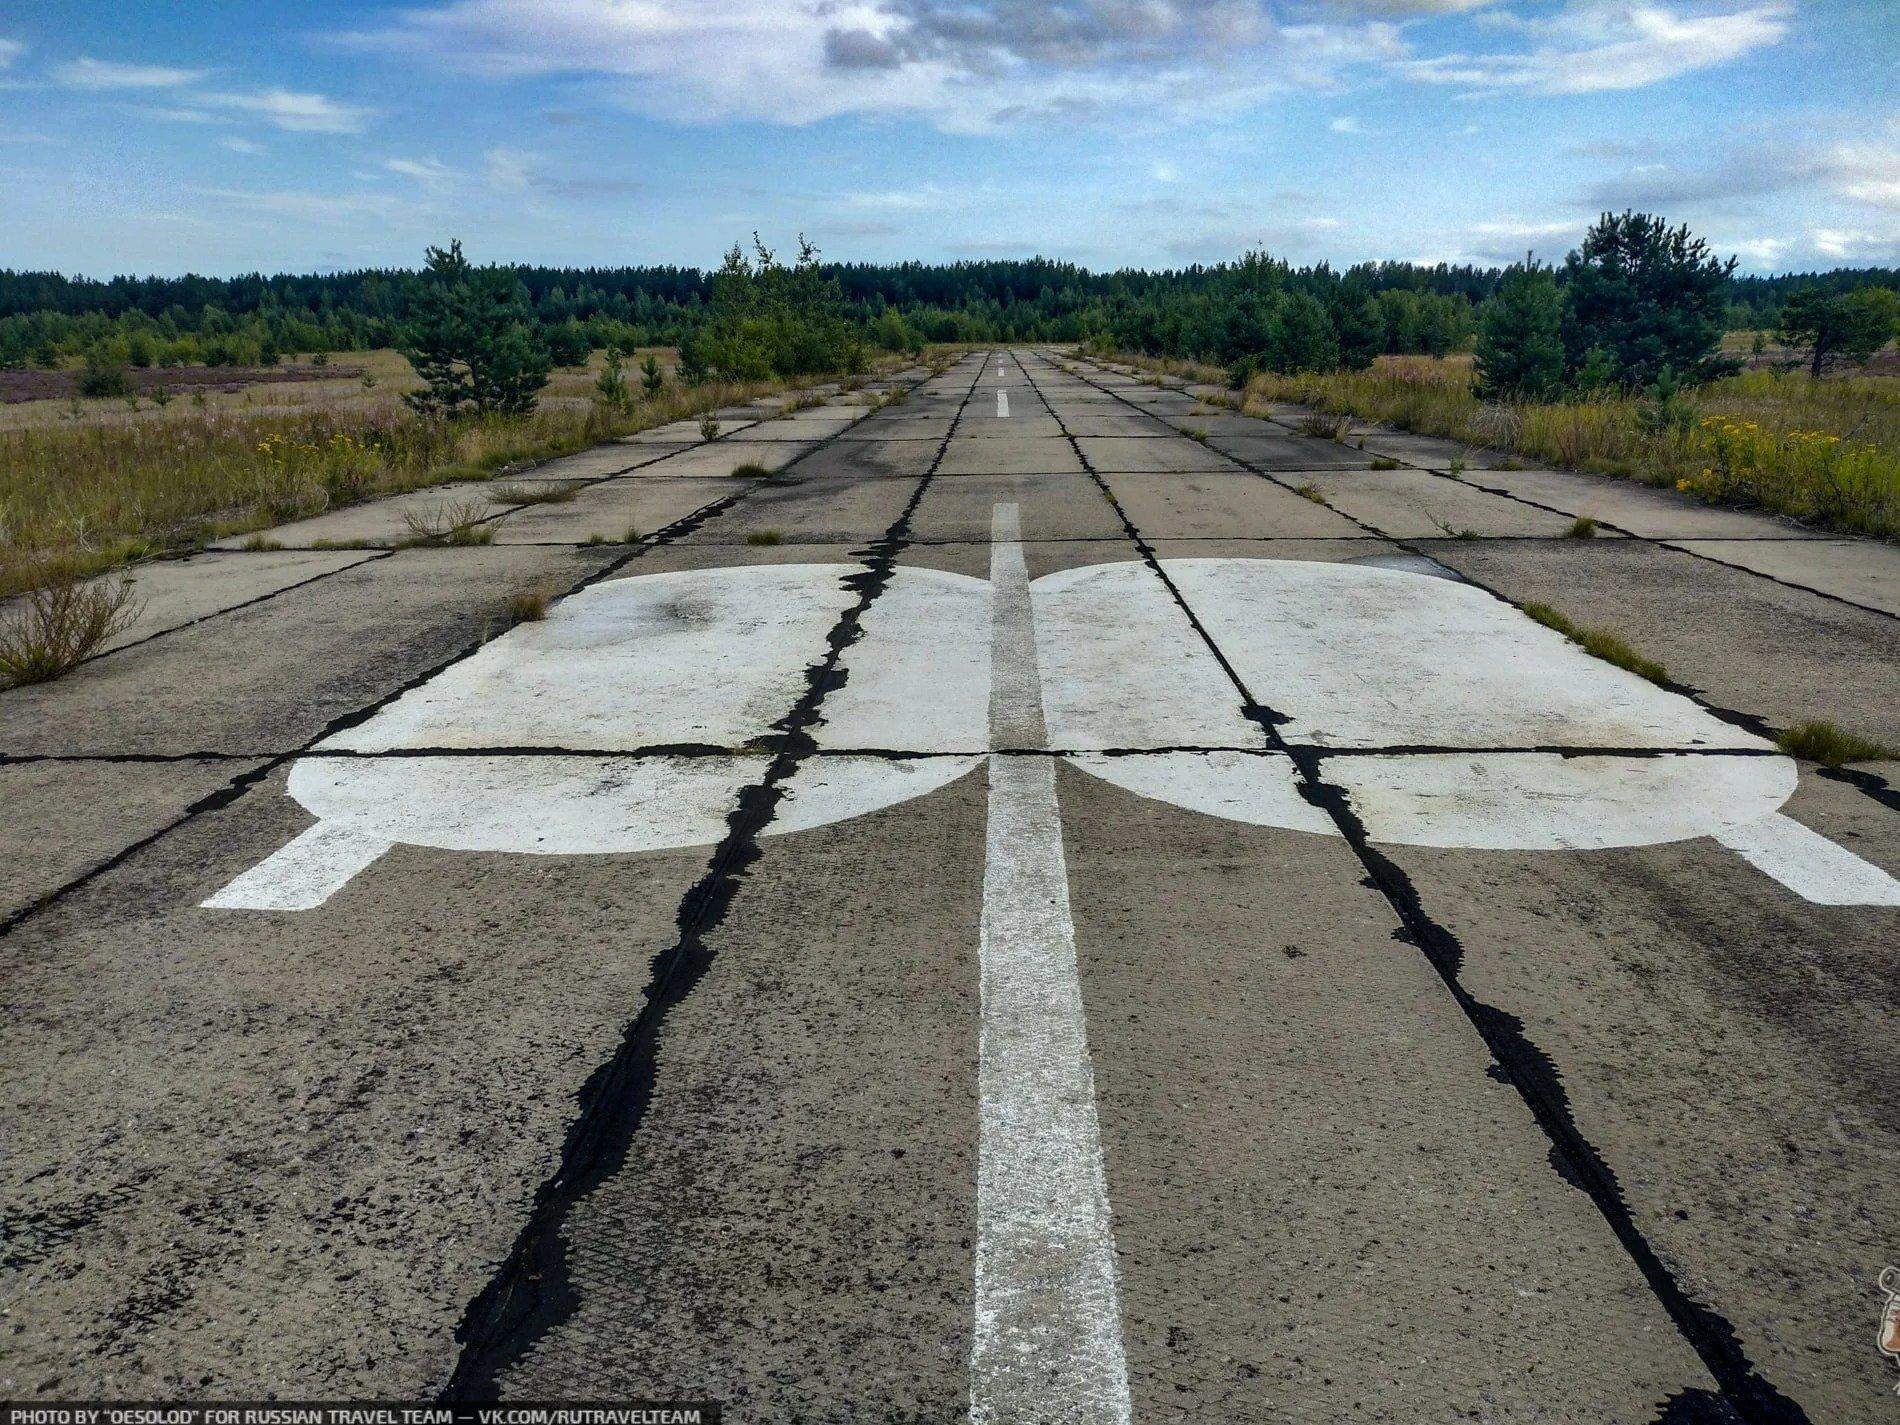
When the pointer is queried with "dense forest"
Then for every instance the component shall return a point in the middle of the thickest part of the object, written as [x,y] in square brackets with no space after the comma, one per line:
[47,319]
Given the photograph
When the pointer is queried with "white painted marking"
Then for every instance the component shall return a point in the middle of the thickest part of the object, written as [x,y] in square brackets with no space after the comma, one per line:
[713,657]
[1810,865]
[1047,1344]
[304,874]
[1002,403]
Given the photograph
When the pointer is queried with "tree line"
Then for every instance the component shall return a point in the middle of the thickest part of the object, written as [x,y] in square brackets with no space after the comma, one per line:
[1255,312]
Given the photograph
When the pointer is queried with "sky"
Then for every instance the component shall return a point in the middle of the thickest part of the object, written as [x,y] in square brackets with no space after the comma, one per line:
[227,136]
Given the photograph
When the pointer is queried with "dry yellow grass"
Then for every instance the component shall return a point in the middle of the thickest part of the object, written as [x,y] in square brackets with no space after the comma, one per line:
[1826,452]
[82,495]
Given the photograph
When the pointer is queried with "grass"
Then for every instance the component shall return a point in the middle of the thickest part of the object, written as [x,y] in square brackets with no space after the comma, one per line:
[751,470]
[1311,492]
[1384,462]
[529,606]
[56,626]
[457,522]
[1582,527]
[1599,643]
[82,494]
[1824,452]
[1325,427]
[765,536]
[1195,433]
[537,492]
[1827,744]
[709,426]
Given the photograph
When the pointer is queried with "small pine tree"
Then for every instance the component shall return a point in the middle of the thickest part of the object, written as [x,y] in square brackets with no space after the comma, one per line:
[1650,296]
[652,379]
[611,386]
[1520,352]
[472,340]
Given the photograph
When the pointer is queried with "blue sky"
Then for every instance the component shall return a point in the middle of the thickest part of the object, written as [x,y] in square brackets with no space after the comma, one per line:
[231,135]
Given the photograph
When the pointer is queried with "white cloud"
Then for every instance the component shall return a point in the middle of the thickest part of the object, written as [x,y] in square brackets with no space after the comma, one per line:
[1596,45]
[423,170]
[1165,172]
[1849,245]
[243,146]
[1345,124]
[293,111]
[969,65]
[10,50]
[88,73]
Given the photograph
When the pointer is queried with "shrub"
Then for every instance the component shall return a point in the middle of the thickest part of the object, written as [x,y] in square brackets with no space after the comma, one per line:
[55,627]
[104,374]
[1520,343]
[652,379]
[610,387]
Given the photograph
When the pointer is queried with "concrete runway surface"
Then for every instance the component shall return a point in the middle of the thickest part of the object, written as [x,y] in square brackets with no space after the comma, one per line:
[1062,903]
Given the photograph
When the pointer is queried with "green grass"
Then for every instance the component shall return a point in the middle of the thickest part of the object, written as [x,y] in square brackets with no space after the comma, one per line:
[765,536]
[1582,527]
[1311,492]
[530,606]
[1384,462]
[1827,744]
[1599,643]
[751,470]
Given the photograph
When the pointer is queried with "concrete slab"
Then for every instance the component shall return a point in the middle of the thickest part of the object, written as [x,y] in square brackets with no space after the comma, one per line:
[1045,455]
[1086,421]
[1414,504]
[1863,571]
[1330,1102]
[66,819]
[1781,654]
[1665,982]
[1637,508]
[238,1153]
[267,678]
[1052,507]
[1142,455]
[1280,450]
[380,524]
[810,510]
[872,459]
[615,510]
[172,593]
[1222,504]
[722,457]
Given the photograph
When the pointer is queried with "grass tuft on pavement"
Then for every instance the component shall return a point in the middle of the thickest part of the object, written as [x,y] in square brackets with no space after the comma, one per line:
[1599,643]
[53,628]
[1823,742]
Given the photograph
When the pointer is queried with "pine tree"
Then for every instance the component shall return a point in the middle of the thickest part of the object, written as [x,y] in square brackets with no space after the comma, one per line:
[1649,296]
[1838,326]
[1520,354]
[1302,338]
[472,340]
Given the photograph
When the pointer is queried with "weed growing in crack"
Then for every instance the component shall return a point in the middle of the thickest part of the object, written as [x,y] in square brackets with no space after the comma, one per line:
[1384,462]
[765,536]
[457,522]
[1582,527]
[529,606]
[55,627]
[1829,745]
[1599,643]
[539,492]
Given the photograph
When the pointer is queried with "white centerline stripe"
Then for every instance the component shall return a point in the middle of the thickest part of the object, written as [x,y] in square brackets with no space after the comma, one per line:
[1002,403]
[1047,1345]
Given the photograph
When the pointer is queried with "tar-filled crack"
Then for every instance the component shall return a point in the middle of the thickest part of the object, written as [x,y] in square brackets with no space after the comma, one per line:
[532,1292]
[1745,1394]
[241,783]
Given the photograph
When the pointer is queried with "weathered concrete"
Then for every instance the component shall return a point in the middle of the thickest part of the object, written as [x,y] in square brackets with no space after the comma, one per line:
[1396,1130]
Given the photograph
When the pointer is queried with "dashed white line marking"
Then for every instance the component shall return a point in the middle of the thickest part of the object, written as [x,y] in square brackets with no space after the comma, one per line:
[1047,1344]
[1810,865]
[1002,403]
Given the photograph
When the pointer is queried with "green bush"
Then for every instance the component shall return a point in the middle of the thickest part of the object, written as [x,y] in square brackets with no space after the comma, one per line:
[472,340]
